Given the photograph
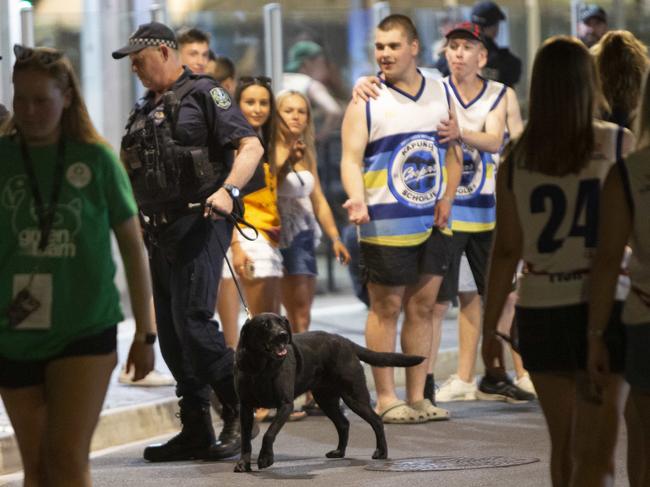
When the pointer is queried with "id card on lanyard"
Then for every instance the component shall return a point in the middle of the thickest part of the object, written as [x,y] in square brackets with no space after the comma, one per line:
[31,306]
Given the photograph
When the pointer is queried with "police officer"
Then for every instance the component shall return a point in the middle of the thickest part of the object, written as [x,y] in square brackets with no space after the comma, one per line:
[176,150]
[502,65]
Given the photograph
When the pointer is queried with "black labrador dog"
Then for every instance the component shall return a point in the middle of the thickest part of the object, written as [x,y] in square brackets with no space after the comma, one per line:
[272,367]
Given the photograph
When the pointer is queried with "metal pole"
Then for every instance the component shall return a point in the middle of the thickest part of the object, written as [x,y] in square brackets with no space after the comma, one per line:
[576,5]
[27,23]
[380,11]
[273,63]
[158,13]
[533,27]
[618,7]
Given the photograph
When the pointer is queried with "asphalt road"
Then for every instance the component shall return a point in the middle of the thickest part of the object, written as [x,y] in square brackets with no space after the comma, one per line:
[478,429]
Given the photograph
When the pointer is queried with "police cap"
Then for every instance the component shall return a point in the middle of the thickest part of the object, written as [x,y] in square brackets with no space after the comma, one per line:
[148,35]
[486,14]
[592,11]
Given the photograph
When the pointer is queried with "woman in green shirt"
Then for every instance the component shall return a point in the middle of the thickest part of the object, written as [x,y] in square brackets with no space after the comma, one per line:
[62,191]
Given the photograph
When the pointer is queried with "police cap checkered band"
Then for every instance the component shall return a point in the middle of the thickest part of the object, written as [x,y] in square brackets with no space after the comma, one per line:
[148,35]
[468,30]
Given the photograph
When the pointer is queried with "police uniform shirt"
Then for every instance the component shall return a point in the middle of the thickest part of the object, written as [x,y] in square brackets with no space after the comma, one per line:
[403,172]
[635,172]
[474,208]
[559,219]
[207,116]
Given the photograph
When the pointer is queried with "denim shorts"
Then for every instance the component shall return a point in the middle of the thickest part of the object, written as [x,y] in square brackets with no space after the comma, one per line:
[637,364]
[15,374]
[300,257]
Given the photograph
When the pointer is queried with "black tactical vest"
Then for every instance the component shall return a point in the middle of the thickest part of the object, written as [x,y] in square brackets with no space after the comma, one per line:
[165,175]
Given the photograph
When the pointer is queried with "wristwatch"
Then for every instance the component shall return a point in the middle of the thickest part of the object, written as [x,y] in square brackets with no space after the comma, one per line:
[233,190]
[147,338]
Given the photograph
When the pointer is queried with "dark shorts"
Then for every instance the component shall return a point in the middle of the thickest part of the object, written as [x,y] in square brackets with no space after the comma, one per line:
[637,362]
[555,339]
[17,373]
[403,266]
[300,257]
[477,247]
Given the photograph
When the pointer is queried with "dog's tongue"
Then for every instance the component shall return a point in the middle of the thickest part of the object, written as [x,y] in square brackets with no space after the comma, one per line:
[281,353]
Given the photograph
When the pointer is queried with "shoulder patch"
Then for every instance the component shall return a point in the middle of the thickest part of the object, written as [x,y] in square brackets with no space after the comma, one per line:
[221,98]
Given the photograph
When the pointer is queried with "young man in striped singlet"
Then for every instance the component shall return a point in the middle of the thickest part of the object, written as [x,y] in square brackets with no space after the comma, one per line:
[392,171]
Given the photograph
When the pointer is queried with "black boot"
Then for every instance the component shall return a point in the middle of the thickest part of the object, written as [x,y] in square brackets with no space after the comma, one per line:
[430,389]
[229,441]
[194,440]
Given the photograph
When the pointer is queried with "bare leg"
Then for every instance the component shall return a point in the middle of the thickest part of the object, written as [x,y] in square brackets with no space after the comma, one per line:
[505,326]
[228,308]
[557,397]
[469,334]
[263,295]
[27,413]
[381,336]
[419,302]
[638,459]
[596,431]
[297,297]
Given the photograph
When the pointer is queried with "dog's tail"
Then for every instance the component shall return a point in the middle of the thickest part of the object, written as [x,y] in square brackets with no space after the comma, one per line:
[386,359]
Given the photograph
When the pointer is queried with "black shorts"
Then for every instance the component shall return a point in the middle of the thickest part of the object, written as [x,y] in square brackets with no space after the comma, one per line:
[18,373]
[403,266]
[555,339]
[477,247]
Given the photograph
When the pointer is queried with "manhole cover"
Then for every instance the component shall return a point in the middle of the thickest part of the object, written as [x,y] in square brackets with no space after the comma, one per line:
[446,463]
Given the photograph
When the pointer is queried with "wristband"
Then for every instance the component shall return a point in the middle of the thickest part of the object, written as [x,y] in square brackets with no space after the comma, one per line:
[448,199]
[147,338]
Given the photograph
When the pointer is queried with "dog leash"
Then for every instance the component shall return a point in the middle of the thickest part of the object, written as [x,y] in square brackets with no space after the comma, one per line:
[237,221]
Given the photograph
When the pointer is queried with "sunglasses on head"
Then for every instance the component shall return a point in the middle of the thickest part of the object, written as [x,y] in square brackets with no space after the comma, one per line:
[45,56]
[249,80]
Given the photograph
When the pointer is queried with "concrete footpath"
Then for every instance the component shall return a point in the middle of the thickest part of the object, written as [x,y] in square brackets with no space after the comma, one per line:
[133,414]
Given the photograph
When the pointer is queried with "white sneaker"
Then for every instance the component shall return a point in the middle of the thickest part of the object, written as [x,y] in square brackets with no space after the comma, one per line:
[152,379]
[455,389]
[526,384]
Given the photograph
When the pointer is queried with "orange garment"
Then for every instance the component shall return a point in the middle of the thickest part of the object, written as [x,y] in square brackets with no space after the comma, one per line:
[261,208]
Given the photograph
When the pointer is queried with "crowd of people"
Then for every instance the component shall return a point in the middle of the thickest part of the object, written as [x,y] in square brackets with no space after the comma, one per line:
[537,229]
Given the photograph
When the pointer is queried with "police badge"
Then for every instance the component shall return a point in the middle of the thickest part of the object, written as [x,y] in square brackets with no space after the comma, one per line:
[221,98]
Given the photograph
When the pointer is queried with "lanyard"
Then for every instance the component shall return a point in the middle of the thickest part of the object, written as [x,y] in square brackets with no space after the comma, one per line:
[45,214]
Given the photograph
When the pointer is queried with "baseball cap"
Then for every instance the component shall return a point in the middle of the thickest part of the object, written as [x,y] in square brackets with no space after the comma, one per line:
[487,13]
[147,35]
[466,29]
[592,11]
[300,51]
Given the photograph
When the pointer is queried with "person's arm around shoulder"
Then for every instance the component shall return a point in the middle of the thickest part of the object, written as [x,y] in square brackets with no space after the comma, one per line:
[505,255]
[365,88]
[615,227]
[354,137]
[129,239]
[454,169]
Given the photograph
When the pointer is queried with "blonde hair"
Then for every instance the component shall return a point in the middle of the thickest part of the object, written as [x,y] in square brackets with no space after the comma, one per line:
[75,121]
[307,136]
[559,136]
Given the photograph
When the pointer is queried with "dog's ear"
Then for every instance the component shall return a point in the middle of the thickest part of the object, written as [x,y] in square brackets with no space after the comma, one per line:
[287,326]
[243,334]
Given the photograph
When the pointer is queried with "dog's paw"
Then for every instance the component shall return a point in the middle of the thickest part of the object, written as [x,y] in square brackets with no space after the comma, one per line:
[242,466]
[380,454]
[265,460]
[335,454]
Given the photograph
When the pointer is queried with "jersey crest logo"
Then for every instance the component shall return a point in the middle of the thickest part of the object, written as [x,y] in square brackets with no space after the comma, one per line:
[473,177]
[415,173]
[79,175]
[220,98]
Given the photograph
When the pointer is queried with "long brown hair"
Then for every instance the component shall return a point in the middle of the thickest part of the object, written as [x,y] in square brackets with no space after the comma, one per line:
[75,121]
[246,82]
[559,136]
[622,61]
[643,117]
[307,136]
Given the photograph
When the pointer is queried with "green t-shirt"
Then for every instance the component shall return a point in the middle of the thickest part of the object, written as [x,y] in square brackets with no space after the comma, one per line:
[73,276]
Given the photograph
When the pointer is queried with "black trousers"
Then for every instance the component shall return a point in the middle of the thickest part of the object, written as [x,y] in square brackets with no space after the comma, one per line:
[186,262]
